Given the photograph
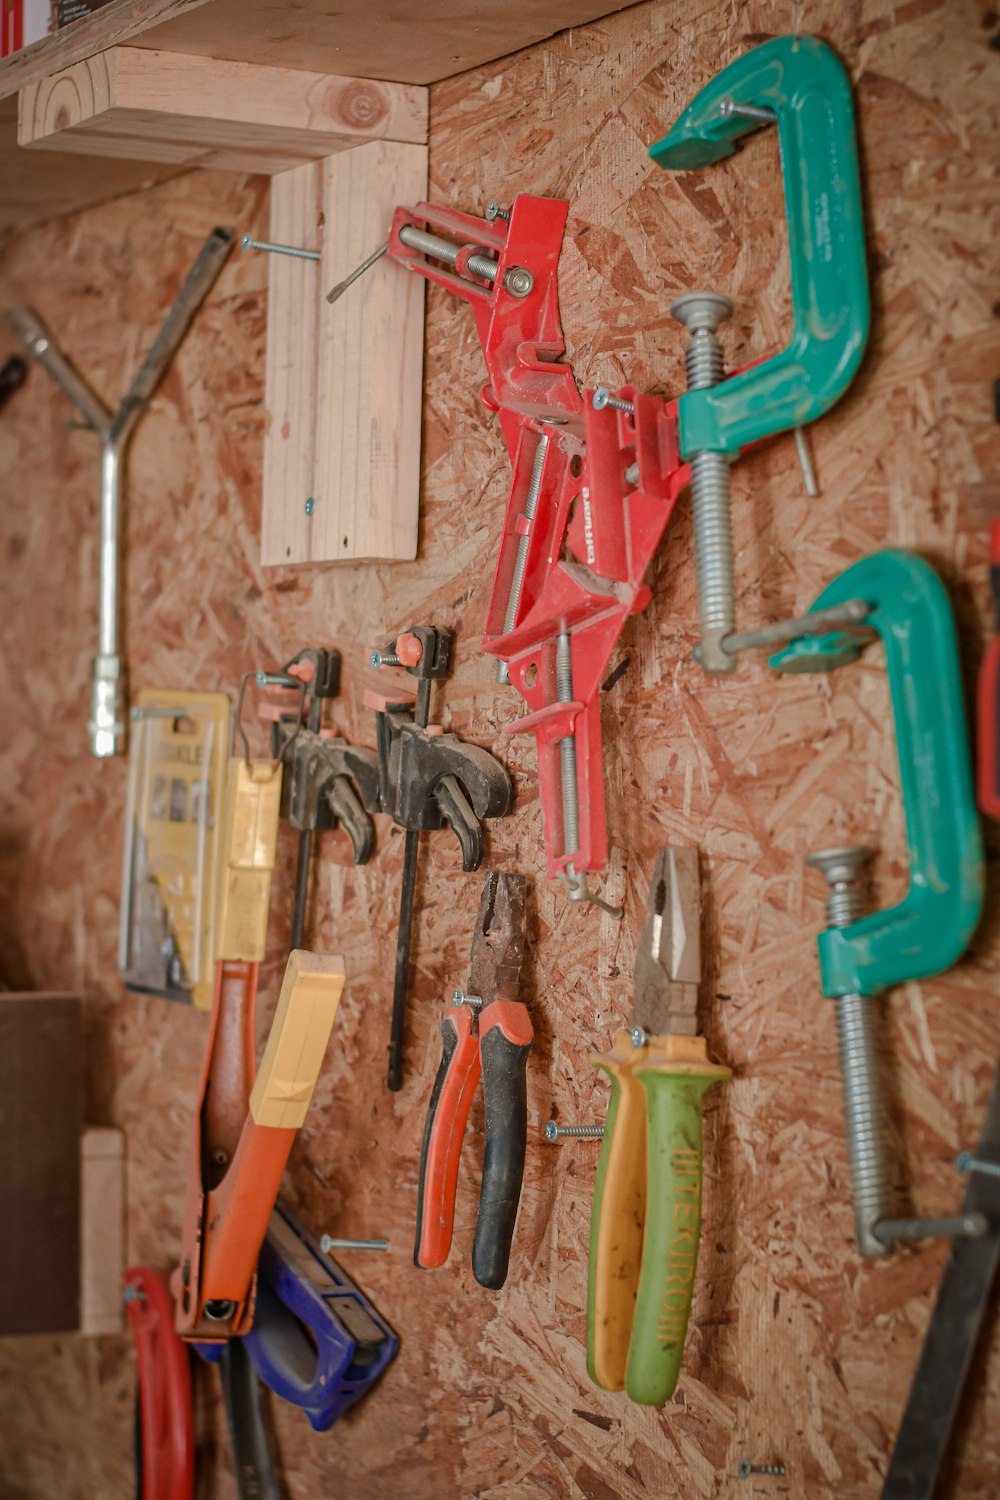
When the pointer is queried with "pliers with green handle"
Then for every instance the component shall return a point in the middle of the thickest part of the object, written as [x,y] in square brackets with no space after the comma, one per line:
[647,1199]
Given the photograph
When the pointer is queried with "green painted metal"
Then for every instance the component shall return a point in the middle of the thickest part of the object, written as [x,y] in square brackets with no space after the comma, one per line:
[672,1230]
[931,927]
[805,85]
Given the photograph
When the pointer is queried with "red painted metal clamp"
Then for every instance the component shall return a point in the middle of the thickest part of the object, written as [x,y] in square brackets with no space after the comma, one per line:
[166,1425]
[591,494]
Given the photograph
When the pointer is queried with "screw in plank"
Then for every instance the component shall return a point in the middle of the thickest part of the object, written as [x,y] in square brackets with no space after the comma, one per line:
[701,313]
[271,249]
[555,1133]
[494,211]
[385,659]
[310,506]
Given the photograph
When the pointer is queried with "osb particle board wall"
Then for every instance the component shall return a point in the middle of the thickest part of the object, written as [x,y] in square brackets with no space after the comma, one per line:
[797,1350]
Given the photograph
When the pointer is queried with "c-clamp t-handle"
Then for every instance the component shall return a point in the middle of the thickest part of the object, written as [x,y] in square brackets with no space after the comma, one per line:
[926,932]
[798,84]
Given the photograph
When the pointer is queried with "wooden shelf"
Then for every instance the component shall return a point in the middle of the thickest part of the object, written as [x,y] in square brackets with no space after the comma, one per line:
[373,39]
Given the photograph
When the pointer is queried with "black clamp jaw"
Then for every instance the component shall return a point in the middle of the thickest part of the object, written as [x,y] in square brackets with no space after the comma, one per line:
[429,779]
[327,781]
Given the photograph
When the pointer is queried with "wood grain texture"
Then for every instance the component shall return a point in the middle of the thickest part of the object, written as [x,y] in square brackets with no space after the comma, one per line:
[108,27]
[294,301]
[372,39]
[797,1350]
[102,1229]
[370,359]
[197,111]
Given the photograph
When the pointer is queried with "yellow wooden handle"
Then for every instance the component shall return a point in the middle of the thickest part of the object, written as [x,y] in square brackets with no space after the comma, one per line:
[249,840]
[296,1046]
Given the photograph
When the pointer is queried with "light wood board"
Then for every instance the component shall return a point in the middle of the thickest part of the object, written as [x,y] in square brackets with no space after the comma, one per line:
[201,112]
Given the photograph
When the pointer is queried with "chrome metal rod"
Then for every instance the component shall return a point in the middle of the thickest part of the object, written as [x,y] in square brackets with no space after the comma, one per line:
[953,1227]
[351,278]
[852,612]
[35,337]
[479,263]
[106,722]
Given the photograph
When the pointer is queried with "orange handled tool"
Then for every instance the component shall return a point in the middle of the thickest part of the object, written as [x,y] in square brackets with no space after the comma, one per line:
[245,1126]
[489,1037]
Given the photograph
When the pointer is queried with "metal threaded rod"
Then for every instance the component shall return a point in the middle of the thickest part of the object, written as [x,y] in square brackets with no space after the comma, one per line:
[433,244]
[863,1118]
[248,244]
[521,560]
[701,313]
[602,397]
[863,1114]
[567,746]
[554,1132]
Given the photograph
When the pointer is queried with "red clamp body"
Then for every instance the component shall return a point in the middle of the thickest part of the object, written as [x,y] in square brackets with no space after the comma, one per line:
[591,494]
[166,1425]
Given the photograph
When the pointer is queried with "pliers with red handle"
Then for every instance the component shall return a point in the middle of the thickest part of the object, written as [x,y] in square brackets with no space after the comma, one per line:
[488,1036]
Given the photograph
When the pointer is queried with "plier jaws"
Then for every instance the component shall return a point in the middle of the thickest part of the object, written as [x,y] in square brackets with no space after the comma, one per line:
[488,1036]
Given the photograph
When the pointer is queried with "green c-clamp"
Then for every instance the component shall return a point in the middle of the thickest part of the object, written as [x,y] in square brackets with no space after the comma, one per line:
[930,928]
[799,84]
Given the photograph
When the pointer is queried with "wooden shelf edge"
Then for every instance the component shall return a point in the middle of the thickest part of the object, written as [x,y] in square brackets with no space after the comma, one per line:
[121,21]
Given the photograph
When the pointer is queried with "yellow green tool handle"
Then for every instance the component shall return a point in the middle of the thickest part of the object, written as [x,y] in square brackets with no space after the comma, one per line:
[672,1226]
[616,1221]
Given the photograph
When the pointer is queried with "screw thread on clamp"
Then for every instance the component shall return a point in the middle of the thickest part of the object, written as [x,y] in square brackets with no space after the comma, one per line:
[521,560]
[863,1115]
[701,313]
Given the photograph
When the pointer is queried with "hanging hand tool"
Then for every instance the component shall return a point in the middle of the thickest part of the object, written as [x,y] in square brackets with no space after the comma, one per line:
[164,1426]
[798,84]
[177,769]
[427,779]
[962,1302]
[108,695]
[316,1340]
[647,1198]
[930,928]
[988,702]
[595,480]
[488,1037]
[326,782]
[245,1126]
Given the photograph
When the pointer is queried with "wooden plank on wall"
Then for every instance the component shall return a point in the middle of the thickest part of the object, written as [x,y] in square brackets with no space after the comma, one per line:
[199,111]
[370,363]
[108,27]
[102,1228]
[294,294]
